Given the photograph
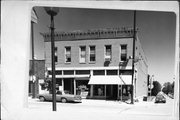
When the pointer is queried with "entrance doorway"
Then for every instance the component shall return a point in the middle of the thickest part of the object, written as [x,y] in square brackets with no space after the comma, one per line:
[68,85]
[111,92]
[114,95]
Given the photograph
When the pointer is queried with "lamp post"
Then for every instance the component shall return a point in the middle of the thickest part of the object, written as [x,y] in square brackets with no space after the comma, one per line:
[133,59]
[33,80]
[52,11]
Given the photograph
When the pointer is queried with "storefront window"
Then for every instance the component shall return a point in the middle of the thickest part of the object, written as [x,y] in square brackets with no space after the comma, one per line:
[98,72]
[125,72]
[112,72]
[82,88]
[126,91]
[99,90]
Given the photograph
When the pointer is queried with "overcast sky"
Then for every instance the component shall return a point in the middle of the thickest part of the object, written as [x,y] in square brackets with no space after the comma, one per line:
[156,33]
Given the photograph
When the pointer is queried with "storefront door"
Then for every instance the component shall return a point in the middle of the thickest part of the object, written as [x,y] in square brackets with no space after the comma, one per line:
[109,91]
[114,95]
[68,85]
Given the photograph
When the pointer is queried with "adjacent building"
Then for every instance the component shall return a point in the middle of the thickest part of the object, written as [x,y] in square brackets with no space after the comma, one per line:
[37,77]
[98,63]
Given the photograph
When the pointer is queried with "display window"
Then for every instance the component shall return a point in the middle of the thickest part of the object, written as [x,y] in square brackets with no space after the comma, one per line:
[126,91]
[99,90]
[82,88]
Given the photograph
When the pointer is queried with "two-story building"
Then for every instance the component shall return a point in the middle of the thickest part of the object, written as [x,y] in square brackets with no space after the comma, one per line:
[98,63]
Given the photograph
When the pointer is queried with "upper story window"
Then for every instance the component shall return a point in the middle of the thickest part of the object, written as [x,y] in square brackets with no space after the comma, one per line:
[92,54]
[82,54]
[108,53]
[55,54]
[123,53]
[67,54]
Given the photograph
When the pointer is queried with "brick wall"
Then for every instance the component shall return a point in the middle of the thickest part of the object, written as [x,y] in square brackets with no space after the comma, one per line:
[100,48]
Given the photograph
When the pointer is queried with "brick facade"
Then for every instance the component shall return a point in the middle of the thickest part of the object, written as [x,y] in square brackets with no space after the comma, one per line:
[99,38]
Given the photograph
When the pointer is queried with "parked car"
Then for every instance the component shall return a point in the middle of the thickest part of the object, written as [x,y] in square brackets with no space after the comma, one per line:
[60,97]
[160,98]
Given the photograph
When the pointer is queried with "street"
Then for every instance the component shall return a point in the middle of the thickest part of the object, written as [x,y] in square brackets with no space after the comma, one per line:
[98,109]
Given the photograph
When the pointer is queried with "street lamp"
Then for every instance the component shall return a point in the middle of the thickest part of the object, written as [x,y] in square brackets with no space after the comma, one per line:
[52,11]
[32,66]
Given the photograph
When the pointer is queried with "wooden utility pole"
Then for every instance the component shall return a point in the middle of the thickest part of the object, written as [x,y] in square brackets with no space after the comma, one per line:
[133,59]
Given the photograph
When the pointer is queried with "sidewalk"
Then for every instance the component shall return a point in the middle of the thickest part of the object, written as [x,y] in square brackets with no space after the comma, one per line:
[98,102]
[91,109]
[95,102]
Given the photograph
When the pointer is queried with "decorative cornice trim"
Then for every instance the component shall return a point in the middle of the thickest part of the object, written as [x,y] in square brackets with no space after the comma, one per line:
[108,33]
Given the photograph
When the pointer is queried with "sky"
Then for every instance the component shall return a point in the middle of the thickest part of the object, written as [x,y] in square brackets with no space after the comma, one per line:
[156,33]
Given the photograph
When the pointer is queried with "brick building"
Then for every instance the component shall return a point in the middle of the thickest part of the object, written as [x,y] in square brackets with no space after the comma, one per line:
[39,76]
[98,63]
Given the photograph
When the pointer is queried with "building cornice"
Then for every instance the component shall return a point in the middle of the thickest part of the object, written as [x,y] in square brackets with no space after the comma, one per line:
[108,33]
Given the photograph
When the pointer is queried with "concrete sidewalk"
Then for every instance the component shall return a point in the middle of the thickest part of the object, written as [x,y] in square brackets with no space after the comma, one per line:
[109,102]
[92,110]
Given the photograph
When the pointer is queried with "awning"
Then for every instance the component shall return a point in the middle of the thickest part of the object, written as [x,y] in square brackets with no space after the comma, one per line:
[109,80]
[127,79]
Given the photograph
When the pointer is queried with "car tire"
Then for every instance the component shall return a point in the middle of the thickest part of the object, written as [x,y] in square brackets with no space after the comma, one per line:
[63,100]
[41,98]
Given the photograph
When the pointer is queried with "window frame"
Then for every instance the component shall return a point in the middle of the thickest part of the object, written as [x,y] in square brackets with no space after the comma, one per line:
[92,54]
[120,53]
[56,54]
[80,51]
[105,53]
[65,53]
